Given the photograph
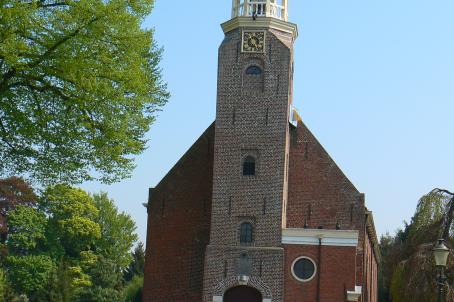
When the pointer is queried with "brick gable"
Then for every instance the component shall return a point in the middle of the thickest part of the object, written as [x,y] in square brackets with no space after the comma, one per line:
[320,195]
[179,215]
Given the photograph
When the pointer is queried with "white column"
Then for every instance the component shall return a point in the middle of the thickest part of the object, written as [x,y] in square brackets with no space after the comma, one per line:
[284,13]
[268,8]
[246,8]
[235,8]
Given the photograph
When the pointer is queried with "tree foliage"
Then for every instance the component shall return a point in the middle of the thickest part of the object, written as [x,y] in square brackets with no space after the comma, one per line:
[30,275]
[79,88]
[137,266]
[408,269]
[70,246]
[118,232]
[106,282]
[133,291]
[72,218]
[14,191]
[3,285]
[27,229]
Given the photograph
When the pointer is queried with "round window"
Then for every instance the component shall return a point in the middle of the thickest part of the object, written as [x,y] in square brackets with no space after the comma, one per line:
[304,269]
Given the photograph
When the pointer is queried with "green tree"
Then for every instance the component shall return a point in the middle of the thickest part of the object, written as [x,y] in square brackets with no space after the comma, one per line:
[106,282]
[72,219]
[30,275]
[408,268]
[13,191]
[69,280]
[27,229]
[79,88]
[3,284]
[71,246]
[133,290]
[137,265]
[72,236]
[118,232]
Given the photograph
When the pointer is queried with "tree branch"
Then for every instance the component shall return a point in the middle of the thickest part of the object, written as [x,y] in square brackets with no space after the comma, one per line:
[5,78]
[449,216]
[437,190]
[53,5]
[2,127]
[448,220]
[42,3]
[45,87]
[61,41]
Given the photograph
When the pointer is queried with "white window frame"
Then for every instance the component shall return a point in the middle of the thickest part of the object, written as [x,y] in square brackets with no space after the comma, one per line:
[313,275]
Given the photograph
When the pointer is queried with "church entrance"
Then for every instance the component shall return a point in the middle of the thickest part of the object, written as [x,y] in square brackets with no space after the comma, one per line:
[242,294]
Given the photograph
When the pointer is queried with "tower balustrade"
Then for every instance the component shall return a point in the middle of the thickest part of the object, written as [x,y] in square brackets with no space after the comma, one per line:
[260,8]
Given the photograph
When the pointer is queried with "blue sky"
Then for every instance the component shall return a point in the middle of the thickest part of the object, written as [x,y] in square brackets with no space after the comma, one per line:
[374,81]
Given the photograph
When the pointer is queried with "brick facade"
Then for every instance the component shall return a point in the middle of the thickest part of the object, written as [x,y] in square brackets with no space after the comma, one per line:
[194,252]
[320,195]
[179,212]
[251,119]
[334,276]
[370,266]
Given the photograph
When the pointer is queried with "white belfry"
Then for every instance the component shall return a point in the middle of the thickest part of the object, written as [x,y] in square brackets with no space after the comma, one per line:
[260,8]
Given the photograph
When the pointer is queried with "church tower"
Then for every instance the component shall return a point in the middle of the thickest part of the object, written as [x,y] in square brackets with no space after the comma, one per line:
[256,210]
[251,154]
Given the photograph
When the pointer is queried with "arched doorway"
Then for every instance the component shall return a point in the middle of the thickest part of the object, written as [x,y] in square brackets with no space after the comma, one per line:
[242,294]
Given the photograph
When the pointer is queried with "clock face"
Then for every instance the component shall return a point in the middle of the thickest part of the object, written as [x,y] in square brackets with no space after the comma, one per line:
[253,41]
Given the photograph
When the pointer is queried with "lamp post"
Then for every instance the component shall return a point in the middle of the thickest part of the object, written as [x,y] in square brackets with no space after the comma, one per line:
[441,253]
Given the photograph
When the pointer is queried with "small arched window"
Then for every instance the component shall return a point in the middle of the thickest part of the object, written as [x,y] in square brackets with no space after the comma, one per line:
[253,70]
[249,166]
[246,233]
[253,78]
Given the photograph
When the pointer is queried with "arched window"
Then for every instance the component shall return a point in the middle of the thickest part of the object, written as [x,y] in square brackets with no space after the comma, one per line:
[249,166]
[253,70]
[246,233]
[253,77]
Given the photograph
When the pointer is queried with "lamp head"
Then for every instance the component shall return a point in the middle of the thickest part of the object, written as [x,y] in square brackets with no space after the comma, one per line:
[441,253]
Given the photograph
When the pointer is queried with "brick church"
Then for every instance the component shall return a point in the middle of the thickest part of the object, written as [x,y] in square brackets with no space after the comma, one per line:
[257,210]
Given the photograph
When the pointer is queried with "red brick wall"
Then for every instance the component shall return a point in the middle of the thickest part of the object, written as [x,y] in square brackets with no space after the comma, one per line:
[371,274]
[336,271]
[320,195]
[317,183]
[178,227]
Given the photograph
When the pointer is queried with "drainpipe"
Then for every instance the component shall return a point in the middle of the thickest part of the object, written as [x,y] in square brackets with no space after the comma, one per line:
[319,267]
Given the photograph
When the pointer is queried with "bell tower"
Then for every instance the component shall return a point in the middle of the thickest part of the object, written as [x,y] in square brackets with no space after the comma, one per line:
[251,153]
[263,8]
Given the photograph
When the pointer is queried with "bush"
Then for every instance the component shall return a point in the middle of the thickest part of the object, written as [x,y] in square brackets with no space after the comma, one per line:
[133,291]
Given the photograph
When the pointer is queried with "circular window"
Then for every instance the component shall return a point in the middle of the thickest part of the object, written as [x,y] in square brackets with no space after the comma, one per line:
[304,269]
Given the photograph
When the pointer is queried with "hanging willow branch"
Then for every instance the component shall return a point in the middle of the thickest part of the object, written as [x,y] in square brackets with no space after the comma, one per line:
[408,266]
[449,216]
